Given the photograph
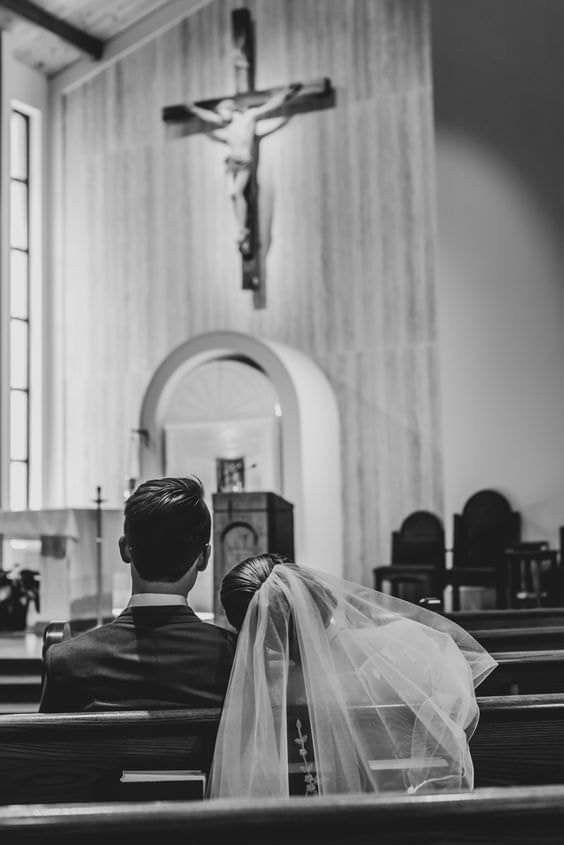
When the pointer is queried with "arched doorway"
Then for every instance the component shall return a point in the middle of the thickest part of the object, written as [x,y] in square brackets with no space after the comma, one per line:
[224,411]
[309,432]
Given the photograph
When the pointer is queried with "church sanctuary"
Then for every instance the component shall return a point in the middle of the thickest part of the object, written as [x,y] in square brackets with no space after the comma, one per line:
[311,252]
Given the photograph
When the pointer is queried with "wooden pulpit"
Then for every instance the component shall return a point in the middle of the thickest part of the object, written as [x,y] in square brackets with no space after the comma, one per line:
[247,524]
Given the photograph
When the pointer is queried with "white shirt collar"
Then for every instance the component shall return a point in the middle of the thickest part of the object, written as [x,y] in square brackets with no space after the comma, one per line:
[156,599]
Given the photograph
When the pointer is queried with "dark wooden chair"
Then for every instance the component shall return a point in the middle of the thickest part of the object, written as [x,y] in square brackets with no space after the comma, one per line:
[420,540]
[483,531]
[530,576]
[417,560]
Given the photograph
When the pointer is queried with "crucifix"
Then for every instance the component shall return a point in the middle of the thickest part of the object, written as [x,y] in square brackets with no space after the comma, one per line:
[234,120]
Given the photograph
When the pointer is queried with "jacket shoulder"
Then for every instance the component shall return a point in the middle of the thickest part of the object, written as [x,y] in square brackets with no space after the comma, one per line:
[220,633]
[83,642]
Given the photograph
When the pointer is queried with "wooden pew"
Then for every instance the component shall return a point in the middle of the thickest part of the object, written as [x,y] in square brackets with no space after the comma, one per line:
[477,620]
[510,630]
[521,639]
[516,816]
[496,630]
[524,670]
[81,757]
[527,672]
[515,740]
[518,740]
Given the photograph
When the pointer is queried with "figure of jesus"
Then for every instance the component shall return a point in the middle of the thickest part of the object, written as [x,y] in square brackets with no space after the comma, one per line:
[237,128]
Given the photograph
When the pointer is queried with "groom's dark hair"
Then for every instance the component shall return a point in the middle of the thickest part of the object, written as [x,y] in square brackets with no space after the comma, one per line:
[167,525]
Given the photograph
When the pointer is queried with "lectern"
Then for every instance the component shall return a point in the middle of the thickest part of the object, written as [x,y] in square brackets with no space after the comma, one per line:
[247,524]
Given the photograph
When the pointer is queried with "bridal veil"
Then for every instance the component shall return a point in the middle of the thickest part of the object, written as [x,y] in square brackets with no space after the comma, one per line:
[337,688]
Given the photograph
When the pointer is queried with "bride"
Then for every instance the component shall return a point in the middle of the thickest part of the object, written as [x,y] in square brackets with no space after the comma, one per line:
[337,688]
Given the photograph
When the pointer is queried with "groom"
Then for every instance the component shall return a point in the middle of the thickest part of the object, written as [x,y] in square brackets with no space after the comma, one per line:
[157,653]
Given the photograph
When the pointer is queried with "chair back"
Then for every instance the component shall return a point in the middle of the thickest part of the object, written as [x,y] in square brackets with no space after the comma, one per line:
[532,577]
[420,541]
[485,529]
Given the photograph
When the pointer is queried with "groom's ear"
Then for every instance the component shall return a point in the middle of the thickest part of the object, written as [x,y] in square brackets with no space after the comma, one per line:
[204,557]
[124,550]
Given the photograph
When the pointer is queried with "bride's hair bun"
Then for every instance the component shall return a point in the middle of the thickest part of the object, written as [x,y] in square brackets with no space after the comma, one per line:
[241,583]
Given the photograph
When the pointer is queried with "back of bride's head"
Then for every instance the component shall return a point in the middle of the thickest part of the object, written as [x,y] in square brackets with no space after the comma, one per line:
[284,593]
[241,583]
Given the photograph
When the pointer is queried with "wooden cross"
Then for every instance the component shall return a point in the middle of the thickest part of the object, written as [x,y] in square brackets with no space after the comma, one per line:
[244,109]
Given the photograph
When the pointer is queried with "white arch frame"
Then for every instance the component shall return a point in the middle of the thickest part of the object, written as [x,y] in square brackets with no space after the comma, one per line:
[311,463]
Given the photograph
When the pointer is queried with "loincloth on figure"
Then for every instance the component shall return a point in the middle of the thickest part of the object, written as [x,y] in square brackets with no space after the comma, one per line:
[236,164]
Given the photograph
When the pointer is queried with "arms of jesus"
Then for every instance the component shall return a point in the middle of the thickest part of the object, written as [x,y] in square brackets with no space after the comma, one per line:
[206,115]
[276,101]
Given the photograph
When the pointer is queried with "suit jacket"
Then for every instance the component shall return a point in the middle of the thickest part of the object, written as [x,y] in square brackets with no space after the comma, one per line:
[148,658]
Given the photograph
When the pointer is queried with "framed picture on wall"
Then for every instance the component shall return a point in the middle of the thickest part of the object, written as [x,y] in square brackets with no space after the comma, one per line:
[230,475]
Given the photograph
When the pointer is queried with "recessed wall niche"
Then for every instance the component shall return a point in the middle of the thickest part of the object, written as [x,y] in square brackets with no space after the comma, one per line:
[226,410]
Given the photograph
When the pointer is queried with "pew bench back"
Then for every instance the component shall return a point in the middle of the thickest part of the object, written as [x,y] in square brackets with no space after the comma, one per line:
[534,617]
[81,757]
[516,739]
[521,639]
[517,816]
[526,673]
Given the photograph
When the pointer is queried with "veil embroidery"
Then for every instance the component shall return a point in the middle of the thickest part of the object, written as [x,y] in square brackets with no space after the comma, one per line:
[342,689]
[310,779]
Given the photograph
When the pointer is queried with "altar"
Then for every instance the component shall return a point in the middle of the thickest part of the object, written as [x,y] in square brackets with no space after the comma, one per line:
[76,557]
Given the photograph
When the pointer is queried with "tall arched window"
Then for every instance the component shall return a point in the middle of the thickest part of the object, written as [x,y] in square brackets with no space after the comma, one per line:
[19,310]
[22,318]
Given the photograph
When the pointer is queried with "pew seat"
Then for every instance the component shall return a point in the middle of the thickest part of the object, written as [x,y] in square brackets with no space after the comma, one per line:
[81,757]
[516,816]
